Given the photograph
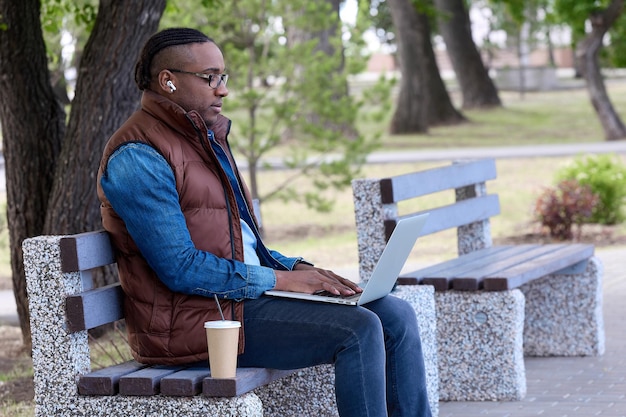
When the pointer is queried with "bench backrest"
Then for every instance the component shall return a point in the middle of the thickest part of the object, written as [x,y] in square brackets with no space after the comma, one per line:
[376,207]
[94,307]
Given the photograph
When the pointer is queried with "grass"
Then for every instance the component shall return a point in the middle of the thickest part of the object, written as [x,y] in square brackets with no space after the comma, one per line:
[19,409]
[329,239]
[562,116]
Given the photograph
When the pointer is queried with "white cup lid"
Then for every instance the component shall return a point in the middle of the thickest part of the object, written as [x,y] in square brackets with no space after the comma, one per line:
[221,324]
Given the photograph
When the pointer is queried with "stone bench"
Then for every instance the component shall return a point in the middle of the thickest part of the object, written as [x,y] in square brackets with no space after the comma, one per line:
[64,306]
[493,304]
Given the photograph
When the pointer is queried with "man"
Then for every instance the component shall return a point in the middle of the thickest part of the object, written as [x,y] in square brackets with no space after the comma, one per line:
[180,218]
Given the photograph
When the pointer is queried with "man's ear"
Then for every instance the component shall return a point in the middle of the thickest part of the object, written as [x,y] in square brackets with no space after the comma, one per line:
[166,82]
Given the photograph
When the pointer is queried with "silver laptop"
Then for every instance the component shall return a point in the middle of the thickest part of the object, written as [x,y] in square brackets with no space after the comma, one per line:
[385,272]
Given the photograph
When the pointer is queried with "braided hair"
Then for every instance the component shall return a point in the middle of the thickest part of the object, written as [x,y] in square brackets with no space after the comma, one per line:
[158,42]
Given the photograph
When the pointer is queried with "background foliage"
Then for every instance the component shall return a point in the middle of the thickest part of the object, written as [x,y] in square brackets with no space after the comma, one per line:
[606,177]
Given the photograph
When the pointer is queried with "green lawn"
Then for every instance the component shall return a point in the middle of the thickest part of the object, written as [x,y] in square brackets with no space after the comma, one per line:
[329,239]
[563,116]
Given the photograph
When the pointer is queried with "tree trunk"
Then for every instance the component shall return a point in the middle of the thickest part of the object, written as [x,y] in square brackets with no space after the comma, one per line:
[411,115]
[477,87]
[106,95]
[33,125]
[587,51]
[440,110]
[423,100]
[51,187]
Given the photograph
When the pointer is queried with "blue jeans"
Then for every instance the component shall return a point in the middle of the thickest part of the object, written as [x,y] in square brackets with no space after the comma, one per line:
[376,349]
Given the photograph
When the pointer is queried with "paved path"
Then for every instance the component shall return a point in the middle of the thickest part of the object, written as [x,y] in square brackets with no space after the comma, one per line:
[498,152]
[408,155]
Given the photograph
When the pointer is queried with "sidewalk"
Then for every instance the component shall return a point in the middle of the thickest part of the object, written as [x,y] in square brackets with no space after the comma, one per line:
[577,386]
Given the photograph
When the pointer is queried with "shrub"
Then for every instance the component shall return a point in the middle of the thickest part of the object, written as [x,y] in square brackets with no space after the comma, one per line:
[606,175]
[569,203]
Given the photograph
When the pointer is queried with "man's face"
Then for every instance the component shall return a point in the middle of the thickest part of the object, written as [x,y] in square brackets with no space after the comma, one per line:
[195,93]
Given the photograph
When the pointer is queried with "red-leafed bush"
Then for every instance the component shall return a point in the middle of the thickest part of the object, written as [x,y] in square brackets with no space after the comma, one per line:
[560,208]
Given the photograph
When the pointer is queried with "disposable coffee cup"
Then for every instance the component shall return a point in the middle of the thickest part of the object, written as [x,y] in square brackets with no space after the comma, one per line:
[222,338]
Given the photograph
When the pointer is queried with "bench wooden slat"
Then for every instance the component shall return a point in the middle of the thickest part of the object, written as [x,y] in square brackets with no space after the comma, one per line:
[547,264]
[185,383]
[94,307]
[445,270]
[106,381]
[404,187]
[86,251]
[453,215]
[246,380]
[471,279]
[146,381]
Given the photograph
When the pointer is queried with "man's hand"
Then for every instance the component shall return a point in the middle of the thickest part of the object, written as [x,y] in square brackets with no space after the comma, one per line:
[309,279]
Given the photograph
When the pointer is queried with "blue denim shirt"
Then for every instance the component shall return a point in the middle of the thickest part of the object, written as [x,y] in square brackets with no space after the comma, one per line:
[140,185]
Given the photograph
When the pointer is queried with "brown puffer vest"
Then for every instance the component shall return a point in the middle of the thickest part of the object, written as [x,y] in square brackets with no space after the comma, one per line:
[166,327]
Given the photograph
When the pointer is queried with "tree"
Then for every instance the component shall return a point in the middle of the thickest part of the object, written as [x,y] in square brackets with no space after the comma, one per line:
[51,164]
[601,18]
[50,168]
[587,52]
[522,20]
[288,92]
[29,112]
[423,100]
[478,89]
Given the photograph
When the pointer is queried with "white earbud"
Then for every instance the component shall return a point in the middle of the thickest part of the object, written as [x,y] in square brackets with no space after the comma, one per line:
[171,85]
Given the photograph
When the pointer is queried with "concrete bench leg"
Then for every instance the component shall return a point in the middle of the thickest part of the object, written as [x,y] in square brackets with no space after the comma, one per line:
[308,392]
[480,338]
[564,314]
[59,357]
[158,406]
[422,298]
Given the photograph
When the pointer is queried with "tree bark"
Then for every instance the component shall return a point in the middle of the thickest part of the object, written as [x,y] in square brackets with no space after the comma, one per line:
[106,95]
[478,89]
[440,110]
[33,125]
[423,100]
[411,115]
[587,53]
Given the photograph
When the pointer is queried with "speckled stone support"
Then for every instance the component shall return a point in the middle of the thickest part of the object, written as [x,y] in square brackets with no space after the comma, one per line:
[480,340]
[369,215]
[564,314]
[477,235]
[422,298]
[291,396]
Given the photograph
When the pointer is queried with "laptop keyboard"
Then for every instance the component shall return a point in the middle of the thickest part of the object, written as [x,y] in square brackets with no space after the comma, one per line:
[325,293]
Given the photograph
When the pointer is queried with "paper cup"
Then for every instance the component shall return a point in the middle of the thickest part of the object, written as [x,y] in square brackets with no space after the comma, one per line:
[222,338]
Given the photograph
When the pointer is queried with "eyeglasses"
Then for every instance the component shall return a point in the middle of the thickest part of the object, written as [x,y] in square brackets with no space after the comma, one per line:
[214,80]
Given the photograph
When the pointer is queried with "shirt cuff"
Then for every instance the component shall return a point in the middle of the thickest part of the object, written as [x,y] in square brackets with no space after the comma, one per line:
[260,279]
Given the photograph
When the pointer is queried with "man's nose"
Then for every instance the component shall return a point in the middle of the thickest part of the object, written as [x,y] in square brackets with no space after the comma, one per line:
[221,90]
